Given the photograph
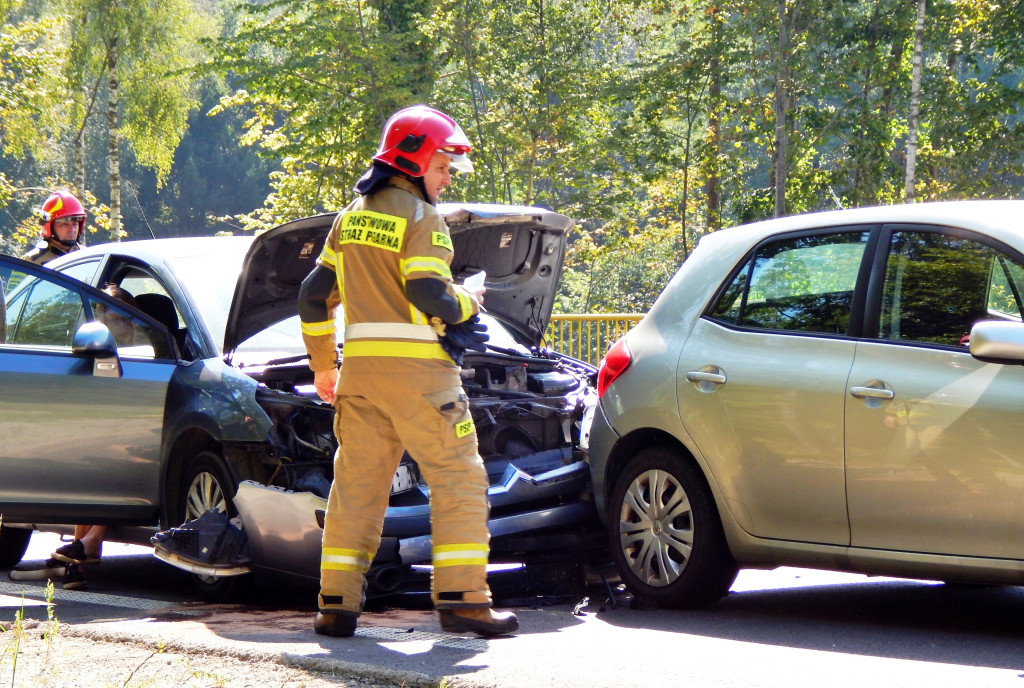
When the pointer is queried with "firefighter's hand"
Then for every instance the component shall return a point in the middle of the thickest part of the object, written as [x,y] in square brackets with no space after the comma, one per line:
[470,334]
[325,381]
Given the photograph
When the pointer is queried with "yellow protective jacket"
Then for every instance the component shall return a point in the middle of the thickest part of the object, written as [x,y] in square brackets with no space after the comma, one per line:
[376,247]
[43,253]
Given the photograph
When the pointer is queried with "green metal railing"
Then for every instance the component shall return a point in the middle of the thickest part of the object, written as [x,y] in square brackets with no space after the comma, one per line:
[587,336]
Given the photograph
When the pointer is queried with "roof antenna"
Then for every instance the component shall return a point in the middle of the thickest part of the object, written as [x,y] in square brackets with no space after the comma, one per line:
[835,199]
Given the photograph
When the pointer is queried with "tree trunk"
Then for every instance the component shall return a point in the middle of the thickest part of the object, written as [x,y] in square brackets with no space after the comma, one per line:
[113,144]
[915,105]
[690,116]
[781,137]
[711,185]
[80,175]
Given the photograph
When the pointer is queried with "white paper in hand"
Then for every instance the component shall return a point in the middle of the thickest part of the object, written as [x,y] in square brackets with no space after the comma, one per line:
[474,282]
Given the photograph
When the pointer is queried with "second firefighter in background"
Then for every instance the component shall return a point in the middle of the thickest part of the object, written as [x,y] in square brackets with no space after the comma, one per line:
[386,262]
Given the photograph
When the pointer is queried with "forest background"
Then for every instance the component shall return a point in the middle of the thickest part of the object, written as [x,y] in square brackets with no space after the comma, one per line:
[650,122]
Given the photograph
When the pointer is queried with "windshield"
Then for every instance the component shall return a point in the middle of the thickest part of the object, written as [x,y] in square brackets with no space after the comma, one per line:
[211,278]
[500,336]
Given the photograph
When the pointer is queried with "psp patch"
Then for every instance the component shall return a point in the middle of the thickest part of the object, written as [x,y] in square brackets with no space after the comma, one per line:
[463,429]
[441,239]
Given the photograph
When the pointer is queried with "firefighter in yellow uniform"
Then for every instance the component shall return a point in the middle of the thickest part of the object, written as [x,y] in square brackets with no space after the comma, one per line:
[386,263]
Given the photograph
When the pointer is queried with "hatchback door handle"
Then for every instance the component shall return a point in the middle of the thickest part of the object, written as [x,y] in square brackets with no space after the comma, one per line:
[871,393]
[696,376]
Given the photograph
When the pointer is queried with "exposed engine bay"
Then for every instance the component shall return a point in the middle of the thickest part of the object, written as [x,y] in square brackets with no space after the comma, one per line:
[526,410]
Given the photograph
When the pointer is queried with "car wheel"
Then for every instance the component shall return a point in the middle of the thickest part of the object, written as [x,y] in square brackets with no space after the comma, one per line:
[13,544]
[207,484]
[665,534]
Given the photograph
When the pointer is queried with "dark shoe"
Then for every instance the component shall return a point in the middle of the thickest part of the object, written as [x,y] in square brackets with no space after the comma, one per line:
[485,622]
[74,553]
[51,569]
[74,579]
[334,625]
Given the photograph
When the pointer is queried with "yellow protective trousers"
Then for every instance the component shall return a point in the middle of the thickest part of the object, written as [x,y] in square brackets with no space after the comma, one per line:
[377,416]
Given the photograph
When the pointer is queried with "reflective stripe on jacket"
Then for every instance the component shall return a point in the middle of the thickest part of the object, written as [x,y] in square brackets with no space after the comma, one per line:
[375,246]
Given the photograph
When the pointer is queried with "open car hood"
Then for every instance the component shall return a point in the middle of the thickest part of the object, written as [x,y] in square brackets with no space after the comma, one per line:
[522,250]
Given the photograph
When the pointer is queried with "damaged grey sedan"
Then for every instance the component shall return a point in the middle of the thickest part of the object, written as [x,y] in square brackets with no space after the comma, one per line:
[224,415]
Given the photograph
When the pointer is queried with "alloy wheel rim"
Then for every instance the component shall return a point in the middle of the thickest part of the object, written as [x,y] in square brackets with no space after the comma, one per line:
[204,493]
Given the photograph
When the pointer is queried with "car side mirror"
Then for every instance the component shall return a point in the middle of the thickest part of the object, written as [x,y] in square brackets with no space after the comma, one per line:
[93,340]
[998,341]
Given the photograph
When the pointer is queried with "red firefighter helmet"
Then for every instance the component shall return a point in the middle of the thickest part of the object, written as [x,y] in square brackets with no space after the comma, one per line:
[61,204]
[414,134]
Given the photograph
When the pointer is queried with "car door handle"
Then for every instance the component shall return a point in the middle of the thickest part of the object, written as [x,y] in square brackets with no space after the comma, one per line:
[871,393]
[697,376]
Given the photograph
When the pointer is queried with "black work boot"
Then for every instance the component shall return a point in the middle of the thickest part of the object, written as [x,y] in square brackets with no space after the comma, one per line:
[334,624]
[485,622]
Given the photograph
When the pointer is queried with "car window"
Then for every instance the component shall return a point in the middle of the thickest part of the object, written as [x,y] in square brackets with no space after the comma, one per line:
[1004,290]
[134,338]
[43,313]
[797,284]
[937,286]
[141,284]
[83,272]
[9,279]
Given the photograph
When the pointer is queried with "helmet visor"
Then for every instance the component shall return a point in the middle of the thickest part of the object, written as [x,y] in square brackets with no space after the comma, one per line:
[456,146]
[462,163]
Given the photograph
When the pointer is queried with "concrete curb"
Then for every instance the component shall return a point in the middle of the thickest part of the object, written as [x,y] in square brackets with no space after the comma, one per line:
[354,669]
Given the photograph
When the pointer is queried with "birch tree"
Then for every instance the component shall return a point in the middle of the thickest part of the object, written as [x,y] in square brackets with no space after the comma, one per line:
[137,53]
[915,104]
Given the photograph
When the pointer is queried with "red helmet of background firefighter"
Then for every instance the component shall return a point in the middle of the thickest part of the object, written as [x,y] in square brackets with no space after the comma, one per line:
[62,217]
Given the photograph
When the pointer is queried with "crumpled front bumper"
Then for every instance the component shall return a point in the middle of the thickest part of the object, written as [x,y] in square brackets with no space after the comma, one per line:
[284,532]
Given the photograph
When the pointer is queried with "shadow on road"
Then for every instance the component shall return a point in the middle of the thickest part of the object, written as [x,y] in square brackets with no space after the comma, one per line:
[960,624]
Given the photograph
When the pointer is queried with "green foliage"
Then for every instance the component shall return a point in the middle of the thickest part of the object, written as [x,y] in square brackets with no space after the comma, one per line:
[28,66]
[319,78]
[650,122]
[530,81]
[150,45]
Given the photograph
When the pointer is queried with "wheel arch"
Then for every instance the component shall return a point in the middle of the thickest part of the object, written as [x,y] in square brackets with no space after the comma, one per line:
[189,443]
[628,446]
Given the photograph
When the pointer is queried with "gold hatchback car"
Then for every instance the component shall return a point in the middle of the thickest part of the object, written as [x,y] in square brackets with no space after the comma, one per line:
[837,390]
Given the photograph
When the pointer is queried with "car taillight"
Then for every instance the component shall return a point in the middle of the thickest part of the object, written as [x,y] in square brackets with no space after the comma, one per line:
[614,364]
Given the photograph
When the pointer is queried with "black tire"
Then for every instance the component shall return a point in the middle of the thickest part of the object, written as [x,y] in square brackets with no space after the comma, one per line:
[206,483]
[682,563]
[13,545]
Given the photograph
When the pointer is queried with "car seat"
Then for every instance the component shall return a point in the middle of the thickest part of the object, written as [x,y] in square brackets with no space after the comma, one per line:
[161,308]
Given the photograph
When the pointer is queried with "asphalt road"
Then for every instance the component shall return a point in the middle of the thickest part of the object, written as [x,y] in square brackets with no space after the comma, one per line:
[784,628]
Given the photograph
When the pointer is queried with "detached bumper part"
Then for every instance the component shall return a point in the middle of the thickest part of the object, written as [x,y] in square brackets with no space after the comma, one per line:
[210,545]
